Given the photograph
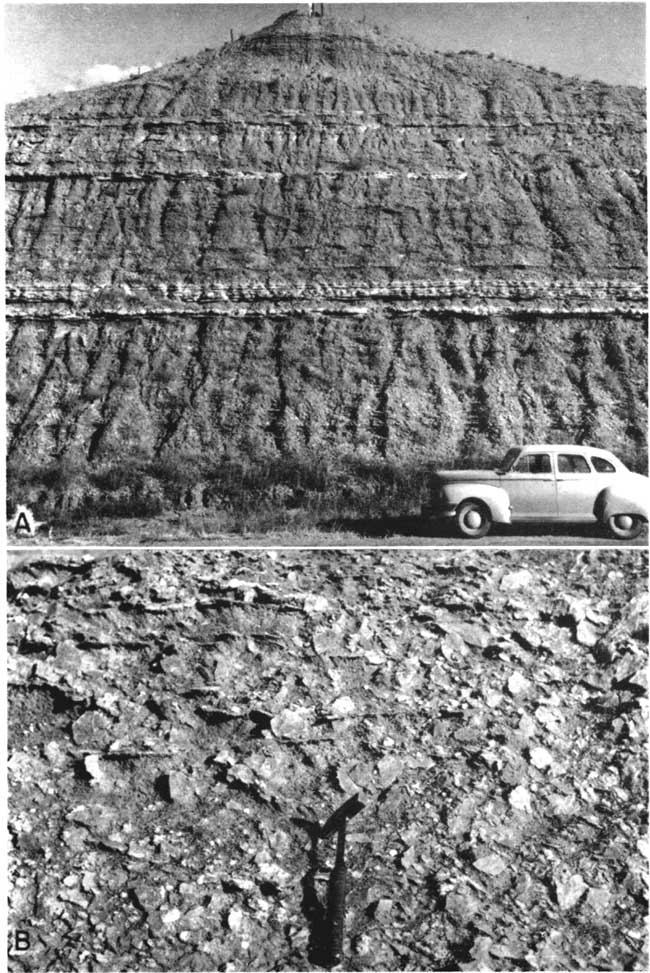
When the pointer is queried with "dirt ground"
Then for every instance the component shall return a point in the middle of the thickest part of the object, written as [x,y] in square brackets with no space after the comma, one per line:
[192,529]
[181,723]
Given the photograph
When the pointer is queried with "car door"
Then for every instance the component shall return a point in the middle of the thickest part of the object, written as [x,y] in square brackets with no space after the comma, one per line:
[530,484]
[577,487]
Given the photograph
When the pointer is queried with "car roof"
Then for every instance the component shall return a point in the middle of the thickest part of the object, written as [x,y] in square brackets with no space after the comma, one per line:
[574,447]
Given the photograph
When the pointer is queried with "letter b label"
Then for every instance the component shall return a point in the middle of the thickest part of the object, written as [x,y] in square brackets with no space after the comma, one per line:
[21,941]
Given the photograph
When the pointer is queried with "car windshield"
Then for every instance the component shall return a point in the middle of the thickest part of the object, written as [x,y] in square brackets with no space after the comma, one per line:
[508,459]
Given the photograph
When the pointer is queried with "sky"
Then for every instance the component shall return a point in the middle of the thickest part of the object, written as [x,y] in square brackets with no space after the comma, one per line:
[64,46]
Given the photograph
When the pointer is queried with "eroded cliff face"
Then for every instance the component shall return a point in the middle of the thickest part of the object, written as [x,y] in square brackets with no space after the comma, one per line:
[320,238]
[390,387]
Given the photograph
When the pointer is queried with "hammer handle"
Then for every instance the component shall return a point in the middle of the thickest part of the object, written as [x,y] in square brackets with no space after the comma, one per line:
[336,912]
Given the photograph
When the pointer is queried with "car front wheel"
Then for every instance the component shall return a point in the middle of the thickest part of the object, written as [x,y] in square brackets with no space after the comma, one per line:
[473,519]
[624,526]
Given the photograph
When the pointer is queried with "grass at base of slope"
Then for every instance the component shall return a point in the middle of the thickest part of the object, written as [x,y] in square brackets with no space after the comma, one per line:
[236,496]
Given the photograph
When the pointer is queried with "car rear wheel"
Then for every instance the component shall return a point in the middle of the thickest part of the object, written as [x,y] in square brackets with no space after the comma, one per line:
[473,519]
[624,526]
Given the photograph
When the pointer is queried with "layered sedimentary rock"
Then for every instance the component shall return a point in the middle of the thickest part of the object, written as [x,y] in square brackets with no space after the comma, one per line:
[318,383]
[323,238]
[321,147]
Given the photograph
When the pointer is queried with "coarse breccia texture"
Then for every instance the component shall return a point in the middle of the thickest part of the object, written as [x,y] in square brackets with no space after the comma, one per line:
[176,719]
[322,238]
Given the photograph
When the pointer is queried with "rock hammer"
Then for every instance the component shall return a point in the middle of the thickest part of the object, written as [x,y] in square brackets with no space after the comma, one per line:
[338,879]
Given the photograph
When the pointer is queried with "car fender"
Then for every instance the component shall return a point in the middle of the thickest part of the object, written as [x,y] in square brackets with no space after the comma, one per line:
[495,498]
[625,498]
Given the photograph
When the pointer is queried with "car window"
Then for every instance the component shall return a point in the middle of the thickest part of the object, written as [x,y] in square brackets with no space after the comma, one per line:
[533,463]
[572,463]
[602,465]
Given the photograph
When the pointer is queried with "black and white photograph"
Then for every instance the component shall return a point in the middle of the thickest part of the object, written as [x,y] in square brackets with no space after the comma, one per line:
[268,290]
[326,481]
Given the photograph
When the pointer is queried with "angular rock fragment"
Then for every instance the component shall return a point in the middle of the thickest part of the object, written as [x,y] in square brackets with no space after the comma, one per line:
[343,707]
[514,580]
[315,604]
[92,731]
[569,891]
[181,788]
[520,799]
[292,724]
[541,758]
[518,684]
[490,864]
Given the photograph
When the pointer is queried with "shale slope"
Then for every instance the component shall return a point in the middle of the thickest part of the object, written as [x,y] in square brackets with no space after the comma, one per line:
[323,239]
[319,146]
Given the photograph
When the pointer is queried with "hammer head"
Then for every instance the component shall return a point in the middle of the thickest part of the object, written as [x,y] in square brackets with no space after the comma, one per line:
[342,814]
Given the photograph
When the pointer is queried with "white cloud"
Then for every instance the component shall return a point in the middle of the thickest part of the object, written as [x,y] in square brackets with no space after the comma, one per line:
[108,74]
[18,84]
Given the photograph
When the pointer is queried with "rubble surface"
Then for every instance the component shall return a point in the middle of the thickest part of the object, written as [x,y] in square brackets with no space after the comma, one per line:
[182,723]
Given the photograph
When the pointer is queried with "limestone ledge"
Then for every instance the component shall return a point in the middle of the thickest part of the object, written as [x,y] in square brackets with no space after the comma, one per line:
[279,118]
[518,286]
[111,174]
[462,296]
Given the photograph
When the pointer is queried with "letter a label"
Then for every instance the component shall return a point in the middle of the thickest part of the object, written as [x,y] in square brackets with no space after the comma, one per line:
[22,523]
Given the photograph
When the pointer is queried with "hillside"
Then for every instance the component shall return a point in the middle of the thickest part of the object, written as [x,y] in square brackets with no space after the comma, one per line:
[321,240]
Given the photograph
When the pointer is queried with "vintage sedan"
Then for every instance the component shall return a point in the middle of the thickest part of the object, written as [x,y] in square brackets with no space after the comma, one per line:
[544,484]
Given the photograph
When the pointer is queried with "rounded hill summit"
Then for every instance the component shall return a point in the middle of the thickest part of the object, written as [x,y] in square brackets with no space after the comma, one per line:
[324,147]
